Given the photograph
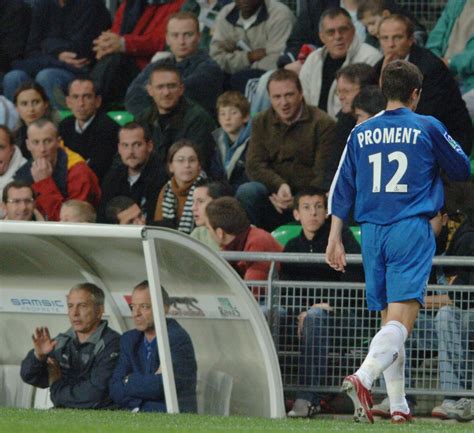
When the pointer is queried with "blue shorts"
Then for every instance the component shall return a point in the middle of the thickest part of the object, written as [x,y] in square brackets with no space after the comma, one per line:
[397,261]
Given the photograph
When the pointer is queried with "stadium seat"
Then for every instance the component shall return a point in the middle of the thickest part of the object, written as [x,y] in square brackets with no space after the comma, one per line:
[13,391]
[121,117]
[214,392]
[286,232]
[356,232]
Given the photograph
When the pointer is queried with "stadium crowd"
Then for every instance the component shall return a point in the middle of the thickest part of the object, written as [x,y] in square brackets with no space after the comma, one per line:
[241,114]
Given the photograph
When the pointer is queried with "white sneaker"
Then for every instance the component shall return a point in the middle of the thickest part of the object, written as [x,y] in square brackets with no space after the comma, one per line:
[441,411]
[303,408]
[462,410]
[382,409]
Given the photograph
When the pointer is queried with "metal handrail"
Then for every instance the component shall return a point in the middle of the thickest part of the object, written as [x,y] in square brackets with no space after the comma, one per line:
[355,259]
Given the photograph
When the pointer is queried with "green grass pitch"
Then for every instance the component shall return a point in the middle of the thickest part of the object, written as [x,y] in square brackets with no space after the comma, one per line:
[70,421]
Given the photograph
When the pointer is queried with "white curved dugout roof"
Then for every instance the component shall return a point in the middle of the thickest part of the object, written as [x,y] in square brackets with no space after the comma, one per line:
[40,262]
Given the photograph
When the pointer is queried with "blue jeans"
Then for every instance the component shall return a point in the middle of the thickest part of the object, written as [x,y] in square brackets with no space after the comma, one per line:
[53,80]
[322,331]
[455,328]
[253,196]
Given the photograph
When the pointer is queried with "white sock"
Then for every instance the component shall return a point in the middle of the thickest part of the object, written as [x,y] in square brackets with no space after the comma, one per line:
[395,380]
[383,351]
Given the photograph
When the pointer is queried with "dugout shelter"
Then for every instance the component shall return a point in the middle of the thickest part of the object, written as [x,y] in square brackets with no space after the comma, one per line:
[238,370]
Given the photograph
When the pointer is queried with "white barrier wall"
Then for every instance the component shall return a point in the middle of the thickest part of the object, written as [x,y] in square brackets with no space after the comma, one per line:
[40,262]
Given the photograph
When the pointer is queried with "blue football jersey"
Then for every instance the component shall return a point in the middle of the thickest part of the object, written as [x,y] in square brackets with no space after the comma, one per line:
[390,168]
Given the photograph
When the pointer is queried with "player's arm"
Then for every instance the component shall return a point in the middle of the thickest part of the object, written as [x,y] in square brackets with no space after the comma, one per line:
[335,253]
[449,154]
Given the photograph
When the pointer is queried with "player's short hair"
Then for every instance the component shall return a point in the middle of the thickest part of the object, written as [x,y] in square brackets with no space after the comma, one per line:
[97,294]
[359,73]
[16,184]
[130,126]
[165,66]
[370,99]
[184,15]
[334,13]
[285,75]
[84,209]
[409,25]
[233,98]
[399,79]
[143,285]
[227,214]
[115,206]
[215,188]
[309,191]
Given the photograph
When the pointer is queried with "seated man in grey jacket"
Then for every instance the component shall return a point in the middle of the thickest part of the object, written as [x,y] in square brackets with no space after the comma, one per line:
[248,38]
[76,365]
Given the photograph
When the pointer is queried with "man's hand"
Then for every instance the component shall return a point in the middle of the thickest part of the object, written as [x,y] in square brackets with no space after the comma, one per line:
[433,302]
[42,343]
[71,59]
[294,66]
[386,60]
[336,255]
[107,43]
[41,169]
[54,371]
[283,199]
[256,55]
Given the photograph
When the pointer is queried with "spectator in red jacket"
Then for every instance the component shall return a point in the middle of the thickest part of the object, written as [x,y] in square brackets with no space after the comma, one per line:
[137,33]
[57,174]
[229,226]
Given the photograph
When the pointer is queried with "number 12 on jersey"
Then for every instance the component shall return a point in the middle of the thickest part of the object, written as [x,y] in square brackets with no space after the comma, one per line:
[392,185]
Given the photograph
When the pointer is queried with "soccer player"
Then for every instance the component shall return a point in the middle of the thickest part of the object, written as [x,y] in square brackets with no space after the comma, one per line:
[390,172]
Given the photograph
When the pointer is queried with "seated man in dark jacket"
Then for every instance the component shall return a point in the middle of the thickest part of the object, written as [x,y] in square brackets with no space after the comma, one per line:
[138,174]
[76,365]
[89,131]
[59,46]
[171,116]
[196,67]
[137,382]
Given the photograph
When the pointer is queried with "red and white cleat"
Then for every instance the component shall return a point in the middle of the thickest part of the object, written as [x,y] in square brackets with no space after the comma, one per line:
[401,418]
[360,396]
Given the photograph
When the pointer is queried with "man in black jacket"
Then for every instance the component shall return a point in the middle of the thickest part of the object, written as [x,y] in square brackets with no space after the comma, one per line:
[171,116]
[76,365]
[89,131]
[196,67]
[440,96]
[139,175]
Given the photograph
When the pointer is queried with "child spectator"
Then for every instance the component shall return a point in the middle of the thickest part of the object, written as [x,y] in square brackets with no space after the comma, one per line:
[233,111]
[371,13]
[331,310]
[77,211]
[230,227]
[368,103]
[32,104]
[176,197]
[204,193]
